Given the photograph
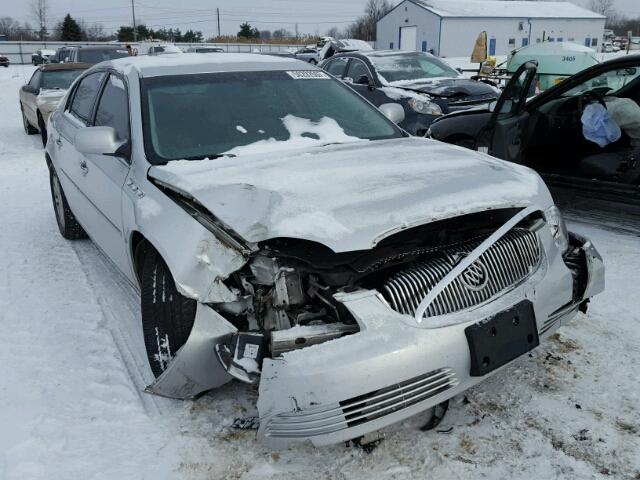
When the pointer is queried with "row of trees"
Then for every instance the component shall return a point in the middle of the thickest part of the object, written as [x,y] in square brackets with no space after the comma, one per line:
[363,28]
[125,34]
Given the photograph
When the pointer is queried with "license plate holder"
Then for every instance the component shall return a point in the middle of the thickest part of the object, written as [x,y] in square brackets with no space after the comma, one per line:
[501,338]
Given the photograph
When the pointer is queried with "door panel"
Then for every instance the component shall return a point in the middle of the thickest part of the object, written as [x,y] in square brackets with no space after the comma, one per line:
[507,130]
[68,161]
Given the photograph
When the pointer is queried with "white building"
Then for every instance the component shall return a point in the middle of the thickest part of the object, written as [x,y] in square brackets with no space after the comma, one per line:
[449,28]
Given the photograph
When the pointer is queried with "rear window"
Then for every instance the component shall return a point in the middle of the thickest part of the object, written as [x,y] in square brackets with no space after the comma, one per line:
[97,56]
[60,79]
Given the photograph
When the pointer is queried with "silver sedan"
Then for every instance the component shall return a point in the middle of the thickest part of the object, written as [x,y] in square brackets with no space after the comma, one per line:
[40,96]
[282,231]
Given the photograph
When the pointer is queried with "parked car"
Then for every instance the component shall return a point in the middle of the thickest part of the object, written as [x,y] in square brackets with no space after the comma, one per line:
[546,133]
[4,61]
[60,55]
[41,95]
[425,86]
[360,275]
[42,56]
[308,54]
[94,54]
[156,48]
[205,50]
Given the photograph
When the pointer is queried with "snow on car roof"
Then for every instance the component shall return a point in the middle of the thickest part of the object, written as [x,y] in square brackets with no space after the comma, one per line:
[191,63]
[501,8]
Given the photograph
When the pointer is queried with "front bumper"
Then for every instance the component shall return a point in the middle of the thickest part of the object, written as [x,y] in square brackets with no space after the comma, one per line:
[393,368]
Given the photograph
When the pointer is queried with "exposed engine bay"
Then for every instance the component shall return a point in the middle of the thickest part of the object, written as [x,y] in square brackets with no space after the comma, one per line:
[286,290]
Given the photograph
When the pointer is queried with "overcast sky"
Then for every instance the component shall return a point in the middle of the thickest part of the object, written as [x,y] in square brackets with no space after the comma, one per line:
[312,16]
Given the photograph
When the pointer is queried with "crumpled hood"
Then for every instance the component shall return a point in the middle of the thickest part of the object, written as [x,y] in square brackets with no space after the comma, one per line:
[452,87]
[349,197]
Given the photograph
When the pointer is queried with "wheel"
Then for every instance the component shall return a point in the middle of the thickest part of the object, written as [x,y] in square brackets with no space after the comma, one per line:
[167,316]
[67,223]
[469,143]
[28,128]
[313,61]
[43,130]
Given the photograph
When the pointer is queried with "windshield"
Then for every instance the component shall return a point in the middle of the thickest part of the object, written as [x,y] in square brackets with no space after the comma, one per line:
[410,67]
[59,78]
[610,82]
[198,116]
[100,55]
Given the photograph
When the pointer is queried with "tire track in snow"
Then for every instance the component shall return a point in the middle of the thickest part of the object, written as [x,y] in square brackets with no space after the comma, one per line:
[120,306]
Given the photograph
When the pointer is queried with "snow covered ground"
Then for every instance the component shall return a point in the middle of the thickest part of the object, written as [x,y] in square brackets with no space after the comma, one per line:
[73,367]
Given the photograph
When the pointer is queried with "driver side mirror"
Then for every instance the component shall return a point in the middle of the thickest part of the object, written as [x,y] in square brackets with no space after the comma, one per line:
[393,112]
[98,141]
[363,80]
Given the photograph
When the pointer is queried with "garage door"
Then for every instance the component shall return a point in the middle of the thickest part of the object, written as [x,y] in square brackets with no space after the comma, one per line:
[408,38]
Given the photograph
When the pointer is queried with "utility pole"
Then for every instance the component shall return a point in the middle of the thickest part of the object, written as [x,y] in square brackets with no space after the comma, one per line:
[296,31]
[133,16]
[218,12]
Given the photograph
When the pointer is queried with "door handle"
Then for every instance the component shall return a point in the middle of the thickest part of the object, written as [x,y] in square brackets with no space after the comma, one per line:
[59,142]
[83,167]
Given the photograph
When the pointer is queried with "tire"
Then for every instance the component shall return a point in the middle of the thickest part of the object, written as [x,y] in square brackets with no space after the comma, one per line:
[28,128]
[43,130]
[313,62]
[67,223]
[167,316]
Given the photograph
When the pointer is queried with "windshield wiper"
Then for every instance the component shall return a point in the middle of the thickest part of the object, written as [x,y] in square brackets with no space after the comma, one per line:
[210,156]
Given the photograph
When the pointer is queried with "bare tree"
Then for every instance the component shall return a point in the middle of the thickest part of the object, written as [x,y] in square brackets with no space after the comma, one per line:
[364,27]
[333,32]
[603,7]
[40,13]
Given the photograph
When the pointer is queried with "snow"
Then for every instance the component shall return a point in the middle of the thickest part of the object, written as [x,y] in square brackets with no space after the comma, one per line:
[302,133]
[395,93]
[73,368]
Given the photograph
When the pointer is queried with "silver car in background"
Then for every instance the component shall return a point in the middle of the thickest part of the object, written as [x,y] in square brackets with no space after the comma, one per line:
[40,96]
[282,231]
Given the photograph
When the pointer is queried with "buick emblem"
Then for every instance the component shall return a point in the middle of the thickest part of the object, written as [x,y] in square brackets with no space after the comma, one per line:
[475,277]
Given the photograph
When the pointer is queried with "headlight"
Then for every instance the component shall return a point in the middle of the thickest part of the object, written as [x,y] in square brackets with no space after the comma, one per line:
[558,228]
[425,107]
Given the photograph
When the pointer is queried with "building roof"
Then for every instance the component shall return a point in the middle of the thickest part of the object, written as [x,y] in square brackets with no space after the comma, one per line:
[506,9]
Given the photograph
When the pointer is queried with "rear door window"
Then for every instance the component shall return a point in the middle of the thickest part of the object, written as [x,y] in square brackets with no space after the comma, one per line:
[113,110]
[337,66]
[357,69]
[85,96]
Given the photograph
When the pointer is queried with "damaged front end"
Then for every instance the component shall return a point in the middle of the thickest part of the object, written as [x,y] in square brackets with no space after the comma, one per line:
[344,343]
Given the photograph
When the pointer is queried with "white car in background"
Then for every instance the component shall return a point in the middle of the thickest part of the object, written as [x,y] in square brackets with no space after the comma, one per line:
[282,231]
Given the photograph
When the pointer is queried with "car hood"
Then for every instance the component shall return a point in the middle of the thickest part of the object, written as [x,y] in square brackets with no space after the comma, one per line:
[348,197]
[450,87]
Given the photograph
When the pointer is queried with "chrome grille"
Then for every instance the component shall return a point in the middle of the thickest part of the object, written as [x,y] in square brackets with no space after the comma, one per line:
[361,409]
[508,262]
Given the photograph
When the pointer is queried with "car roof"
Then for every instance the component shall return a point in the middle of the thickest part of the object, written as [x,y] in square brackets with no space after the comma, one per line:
[52,67]
[97,47]
[192,63]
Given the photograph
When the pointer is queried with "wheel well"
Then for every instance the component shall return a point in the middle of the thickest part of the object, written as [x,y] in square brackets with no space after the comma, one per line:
[140,246]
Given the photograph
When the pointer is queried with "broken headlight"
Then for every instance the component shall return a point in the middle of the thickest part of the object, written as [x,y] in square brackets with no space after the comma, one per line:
[558,228]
